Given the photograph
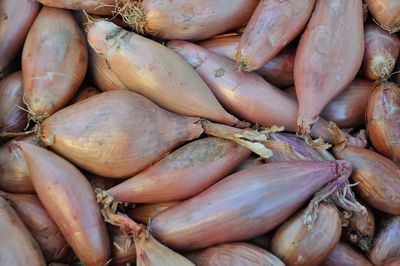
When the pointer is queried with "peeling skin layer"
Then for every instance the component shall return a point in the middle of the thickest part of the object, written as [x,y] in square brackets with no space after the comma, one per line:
[383,120]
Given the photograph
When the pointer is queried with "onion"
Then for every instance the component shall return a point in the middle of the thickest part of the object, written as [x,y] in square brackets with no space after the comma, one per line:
[40,225]
[188,19]
[181,174]
[17,247]
[278,71]
[54,62]
[383,122]
[148,250]
[123,249]
[14,172]
[70,201]
[386,242]
[245,204]
[386,12]
[360,229]
[325,64]
[378,178]
[12,118]
[273,24]
[234,254]
[145,212]
[102,75]
[349,107]
[99,7]
[120,142]
[83,93]
[296,243]
[344,255]
[381,52]
[263,104]
[147,67]
[116,142]
[16,17]
[111,147]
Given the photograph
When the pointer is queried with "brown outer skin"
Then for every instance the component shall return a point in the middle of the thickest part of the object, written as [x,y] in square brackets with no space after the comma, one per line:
[54,61]
[243,205]
[278,71]
[378,178]
[272,26]
[17,247]
[296,244]
[123,249]
[156,72]
[16,17]
[344,255]
[98,7]
[246,95]
[12,118]
[83,93]
[116,142]
[143,213]
[325,64]
[70,201]
[101,74]
[234,254]
[348,108]
[381,52]
[386,12]
[40,225]
[383,120]
[183,173]
[361,229]
[193,19]
[14,172]
[386,242]
[263,103]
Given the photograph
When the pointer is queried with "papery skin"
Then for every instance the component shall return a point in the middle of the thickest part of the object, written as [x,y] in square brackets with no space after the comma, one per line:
[383,121]
[194,20]
[325,64]
[12,118]
[154,71]
[378,178]
[17,247]
[297,243]
[40,225]
[386,244]
[272,26]
[182,173]
[234,254]
[54,61]
[243,205]
[116,142]
[278,71]
[16,17]
[344,255]
[70,201]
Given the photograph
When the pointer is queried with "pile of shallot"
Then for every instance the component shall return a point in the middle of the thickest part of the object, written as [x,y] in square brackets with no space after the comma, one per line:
[187,132]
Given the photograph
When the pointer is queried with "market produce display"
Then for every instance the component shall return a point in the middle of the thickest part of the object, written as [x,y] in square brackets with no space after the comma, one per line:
[215,132]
